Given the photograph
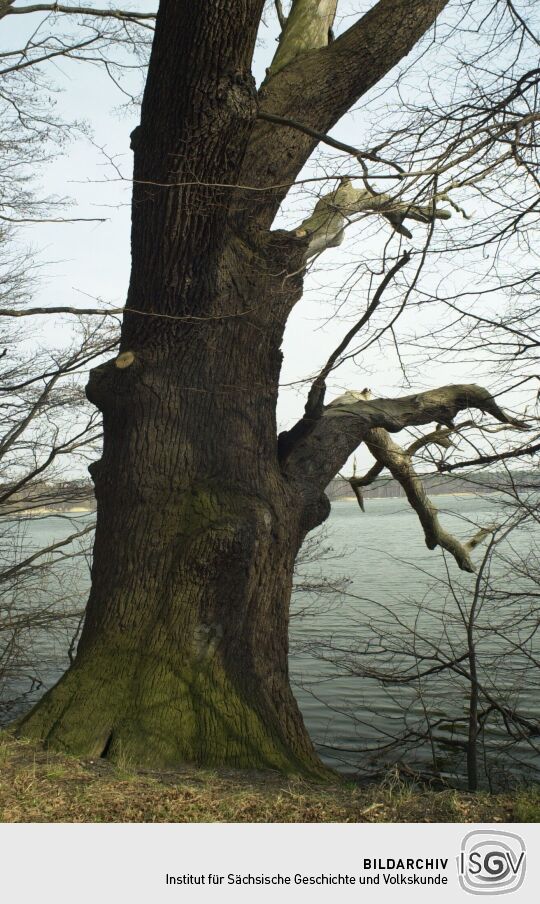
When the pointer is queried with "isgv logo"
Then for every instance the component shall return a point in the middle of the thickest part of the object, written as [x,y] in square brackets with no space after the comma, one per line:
[491,862]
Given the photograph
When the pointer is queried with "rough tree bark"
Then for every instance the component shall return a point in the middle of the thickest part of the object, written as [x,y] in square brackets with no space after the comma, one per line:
[183,656]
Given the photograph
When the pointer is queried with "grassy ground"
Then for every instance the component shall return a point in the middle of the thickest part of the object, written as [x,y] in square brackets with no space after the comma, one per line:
[41,786]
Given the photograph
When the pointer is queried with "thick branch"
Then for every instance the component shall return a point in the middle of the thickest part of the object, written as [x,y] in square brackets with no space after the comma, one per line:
[197,112]
[307,28]
[440,437]
[318,457]
[358,482]
[319,86]
[389,454]
[334,211]
[5,7]
[440,405]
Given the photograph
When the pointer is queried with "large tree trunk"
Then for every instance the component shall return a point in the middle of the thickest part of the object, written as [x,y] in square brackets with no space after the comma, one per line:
[184,650]
[183,656]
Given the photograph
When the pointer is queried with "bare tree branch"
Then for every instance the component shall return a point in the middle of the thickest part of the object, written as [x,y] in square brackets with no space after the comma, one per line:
[317,87]
[440,437]
[316,457]
[8,573]
[35,61]
[325,227]
[327,139]
[444,466]
[24,220]
[439,405]
[282,18]
[399,462]
[108,312]
[316,394]
[7,9]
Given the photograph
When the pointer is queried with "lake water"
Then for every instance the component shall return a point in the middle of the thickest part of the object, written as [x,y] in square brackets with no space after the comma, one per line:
[379,596]
[399,587]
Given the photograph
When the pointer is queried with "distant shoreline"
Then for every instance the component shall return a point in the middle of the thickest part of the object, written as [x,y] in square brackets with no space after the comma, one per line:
[82,510]
[37,512]
[377,498]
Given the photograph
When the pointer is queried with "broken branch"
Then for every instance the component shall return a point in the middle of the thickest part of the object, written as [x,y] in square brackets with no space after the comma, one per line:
[332,213]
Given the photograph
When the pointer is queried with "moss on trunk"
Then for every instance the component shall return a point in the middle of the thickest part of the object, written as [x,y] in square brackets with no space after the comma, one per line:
[116,706]
[189,664]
